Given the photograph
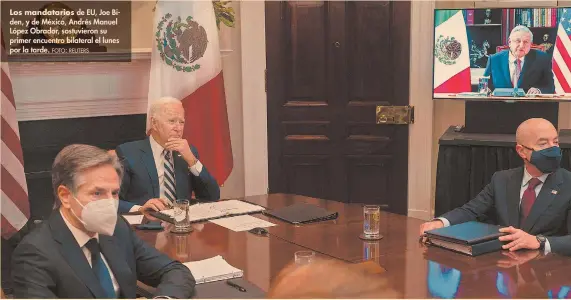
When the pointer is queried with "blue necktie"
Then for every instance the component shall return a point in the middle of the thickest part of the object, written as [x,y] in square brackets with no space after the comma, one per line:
[100,269]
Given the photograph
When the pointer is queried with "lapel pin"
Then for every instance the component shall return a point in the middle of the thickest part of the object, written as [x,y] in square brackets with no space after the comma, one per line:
[554,192]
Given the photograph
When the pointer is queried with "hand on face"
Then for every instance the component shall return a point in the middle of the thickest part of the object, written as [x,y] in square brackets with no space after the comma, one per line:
[182,147]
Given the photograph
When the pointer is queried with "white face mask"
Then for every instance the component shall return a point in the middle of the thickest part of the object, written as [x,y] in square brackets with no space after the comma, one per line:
[99,216]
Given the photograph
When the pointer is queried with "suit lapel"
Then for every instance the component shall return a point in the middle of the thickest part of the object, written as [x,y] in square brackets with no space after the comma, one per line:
[149,162]
[181,174]
[529,58]
[506,67]
[513,196]
[118,264]
[74,255]
[543,200]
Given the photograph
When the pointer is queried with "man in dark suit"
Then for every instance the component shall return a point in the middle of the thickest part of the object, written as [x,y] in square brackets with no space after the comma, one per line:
[84,250]
[521,66]
[163,167]
[533,202]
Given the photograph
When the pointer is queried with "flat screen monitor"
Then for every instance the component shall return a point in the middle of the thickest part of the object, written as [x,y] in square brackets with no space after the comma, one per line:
[502,54]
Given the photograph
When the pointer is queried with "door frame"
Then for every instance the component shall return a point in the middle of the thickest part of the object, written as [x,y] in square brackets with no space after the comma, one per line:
[421,172]
[254,100]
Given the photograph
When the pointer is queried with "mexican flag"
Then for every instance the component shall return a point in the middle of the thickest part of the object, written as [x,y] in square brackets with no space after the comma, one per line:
[186,64]
[451,53]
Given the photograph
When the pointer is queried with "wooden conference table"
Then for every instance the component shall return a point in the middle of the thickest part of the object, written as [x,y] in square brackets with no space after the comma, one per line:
[412,269]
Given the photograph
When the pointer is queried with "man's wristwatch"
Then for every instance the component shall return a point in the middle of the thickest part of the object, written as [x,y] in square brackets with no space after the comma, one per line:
[541,239]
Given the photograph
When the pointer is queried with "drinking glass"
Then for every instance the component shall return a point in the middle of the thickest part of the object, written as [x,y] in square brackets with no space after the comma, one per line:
[372,222]
[181,220]
[483,85]
[304,257]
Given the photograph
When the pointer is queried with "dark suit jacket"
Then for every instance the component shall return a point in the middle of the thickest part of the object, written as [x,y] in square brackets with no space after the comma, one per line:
[550,214]
[141,181]
[48,263]
[536,72]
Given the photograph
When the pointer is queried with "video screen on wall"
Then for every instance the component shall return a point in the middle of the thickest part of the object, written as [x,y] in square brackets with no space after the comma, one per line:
[521,54]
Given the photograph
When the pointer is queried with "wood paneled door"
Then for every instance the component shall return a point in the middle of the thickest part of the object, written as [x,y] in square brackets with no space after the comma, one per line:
[329,64]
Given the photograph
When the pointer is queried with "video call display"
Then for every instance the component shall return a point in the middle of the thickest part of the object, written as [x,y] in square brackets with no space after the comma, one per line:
[491,54]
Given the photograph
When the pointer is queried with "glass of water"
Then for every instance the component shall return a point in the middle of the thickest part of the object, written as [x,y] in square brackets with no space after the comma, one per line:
[372,222]
[181,220]
[483,85]
[304,257]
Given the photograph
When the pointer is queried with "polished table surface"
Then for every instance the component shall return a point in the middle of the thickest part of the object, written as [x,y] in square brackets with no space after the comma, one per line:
[412,269]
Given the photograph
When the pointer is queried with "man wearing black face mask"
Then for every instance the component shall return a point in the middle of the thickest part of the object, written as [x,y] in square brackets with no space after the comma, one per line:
[532,202]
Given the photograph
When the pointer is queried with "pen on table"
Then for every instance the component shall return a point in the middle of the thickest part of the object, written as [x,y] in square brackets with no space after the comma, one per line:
[232,284]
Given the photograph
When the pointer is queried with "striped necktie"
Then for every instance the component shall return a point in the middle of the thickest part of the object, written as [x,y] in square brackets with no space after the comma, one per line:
[169,187]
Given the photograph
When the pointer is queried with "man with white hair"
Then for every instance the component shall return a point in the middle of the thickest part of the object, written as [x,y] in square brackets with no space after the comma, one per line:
[163,167]
[521,66]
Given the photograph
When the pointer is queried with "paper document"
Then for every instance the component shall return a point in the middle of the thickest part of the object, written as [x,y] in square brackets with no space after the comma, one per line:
[242,223]
[207,211]
[212,269]
[171,213]
[134,219]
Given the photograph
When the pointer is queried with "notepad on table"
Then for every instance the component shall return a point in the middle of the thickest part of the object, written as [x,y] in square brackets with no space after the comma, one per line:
[208,211]
[212,269]
[242,223]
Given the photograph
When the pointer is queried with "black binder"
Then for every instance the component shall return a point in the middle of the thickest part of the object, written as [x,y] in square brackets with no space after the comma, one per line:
[302,213]
[472,238]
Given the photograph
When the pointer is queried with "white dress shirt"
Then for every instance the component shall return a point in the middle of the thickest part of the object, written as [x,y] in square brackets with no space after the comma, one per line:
[512,65]
[82,238]
[524,183]
[160,165]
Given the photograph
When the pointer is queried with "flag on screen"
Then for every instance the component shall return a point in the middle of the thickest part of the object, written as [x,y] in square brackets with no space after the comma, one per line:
[14,191]
[561,57]
[186,64]
[451,53]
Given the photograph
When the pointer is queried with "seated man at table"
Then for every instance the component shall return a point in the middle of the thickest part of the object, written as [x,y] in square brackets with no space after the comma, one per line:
[84,250]
[532,202]
[521,66]
[163,167]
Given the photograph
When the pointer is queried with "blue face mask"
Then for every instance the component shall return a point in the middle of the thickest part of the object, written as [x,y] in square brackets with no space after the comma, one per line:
[546,160]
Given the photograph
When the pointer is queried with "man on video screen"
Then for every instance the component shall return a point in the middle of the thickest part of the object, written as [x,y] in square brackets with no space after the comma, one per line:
[521,66]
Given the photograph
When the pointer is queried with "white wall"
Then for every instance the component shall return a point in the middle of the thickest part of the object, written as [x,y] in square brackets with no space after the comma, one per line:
[420,133]
[254,98]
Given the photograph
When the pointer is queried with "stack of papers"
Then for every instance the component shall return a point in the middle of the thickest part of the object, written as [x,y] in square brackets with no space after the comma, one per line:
[242,223]
[207,211]
[212,269]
